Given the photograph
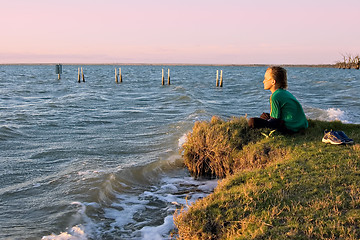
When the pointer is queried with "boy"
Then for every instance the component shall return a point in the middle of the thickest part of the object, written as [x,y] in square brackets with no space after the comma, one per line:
[286,114]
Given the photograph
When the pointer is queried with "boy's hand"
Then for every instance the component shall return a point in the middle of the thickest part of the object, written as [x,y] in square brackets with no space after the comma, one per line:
[265,116]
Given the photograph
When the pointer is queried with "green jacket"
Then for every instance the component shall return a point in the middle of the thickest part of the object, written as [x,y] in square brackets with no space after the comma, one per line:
[286,107]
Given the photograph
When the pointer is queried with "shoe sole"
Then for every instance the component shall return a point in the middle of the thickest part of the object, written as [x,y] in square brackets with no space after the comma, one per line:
[329,141]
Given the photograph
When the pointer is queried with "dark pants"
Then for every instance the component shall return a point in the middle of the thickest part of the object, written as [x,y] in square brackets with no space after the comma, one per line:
[265,121]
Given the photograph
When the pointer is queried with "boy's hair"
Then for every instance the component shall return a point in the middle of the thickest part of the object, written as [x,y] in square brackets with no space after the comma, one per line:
[280,76]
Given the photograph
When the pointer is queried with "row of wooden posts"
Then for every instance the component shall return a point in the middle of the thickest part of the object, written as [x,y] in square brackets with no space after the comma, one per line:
[118,76]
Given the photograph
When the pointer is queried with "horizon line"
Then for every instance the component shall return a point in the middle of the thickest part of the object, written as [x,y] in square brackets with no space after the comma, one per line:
[176,64]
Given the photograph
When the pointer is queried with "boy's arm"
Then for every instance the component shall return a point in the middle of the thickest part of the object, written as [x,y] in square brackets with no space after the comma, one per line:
[275,109]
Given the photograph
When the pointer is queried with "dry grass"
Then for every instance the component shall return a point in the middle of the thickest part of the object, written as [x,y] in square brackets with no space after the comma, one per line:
[211,148]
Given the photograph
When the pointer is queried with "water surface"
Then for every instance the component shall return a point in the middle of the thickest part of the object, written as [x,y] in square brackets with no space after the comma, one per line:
[100,160]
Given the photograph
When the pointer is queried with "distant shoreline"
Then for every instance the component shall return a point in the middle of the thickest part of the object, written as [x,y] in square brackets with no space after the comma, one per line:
[171,64]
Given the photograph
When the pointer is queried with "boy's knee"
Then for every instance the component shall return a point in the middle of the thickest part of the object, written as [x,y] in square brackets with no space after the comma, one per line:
[251,123]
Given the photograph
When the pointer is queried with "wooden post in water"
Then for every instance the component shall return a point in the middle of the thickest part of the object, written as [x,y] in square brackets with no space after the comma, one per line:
[168,76]
[116,77]
[58,70]
[78,74]
[221,79]
[162,78]
[120,76]
[82,73]
[217,78]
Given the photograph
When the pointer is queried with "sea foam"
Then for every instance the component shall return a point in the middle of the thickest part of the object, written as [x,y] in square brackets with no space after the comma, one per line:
[75,233]
[130,215]
[330,114]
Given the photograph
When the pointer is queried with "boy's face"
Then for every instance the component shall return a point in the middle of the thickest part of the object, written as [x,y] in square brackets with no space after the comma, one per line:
[269,82]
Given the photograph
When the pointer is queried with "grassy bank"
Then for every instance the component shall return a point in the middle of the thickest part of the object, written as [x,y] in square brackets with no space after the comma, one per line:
[273,186]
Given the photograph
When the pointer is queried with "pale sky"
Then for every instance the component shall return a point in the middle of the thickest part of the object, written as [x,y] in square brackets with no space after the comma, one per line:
[179,31]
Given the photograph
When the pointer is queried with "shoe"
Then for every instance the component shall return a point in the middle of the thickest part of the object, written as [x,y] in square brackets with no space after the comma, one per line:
[343,136]
[332,137]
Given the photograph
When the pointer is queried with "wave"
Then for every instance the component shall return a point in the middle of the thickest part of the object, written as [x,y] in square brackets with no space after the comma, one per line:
[330,114]
[136,202]
[143,215]
[9,132]
[182,140]
[74,233]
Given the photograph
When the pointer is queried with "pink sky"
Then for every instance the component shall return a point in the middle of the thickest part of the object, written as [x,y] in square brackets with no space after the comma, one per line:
[179,31]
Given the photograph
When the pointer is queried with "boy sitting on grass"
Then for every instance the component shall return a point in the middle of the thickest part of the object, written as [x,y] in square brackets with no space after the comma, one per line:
[286,113]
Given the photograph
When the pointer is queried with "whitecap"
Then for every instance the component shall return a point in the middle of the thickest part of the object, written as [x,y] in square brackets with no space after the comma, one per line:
[36,185]
[158,232]
[330,114]
[336,114]
[169,188]
[123,211]
[75,233]
[182,140]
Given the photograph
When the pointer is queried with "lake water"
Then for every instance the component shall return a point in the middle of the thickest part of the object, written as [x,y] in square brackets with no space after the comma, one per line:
[100,160]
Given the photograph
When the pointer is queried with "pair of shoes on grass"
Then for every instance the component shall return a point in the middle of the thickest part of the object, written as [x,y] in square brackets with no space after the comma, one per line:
[336,137]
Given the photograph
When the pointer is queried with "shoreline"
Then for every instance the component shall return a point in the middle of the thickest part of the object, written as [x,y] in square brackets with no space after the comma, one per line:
[172,64]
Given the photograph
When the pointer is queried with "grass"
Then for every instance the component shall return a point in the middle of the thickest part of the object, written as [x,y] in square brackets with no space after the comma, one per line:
[273,186]
[210,147]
